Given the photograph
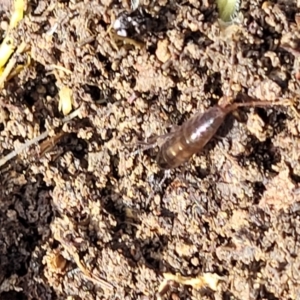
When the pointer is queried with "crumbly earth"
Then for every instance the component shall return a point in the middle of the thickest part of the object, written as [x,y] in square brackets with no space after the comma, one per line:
[81,213]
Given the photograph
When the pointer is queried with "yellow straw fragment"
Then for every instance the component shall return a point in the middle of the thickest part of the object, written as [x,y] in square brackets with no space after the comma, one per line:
[6,50]
[4,75]
[65,100]
[7,47]
[18,13]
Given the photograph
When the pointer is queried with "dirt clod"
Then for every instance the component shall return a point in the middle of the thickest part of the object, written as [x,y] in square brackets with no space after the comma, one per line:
[82,213]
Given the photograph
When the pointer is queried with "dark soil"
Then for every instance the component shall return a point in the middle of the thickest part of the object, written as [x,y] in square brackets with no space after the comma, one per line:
[81,214]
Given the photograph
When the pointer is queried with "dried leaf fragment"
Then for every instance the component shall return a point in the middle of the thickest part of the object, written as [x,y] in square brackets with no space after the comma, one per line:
[206,280]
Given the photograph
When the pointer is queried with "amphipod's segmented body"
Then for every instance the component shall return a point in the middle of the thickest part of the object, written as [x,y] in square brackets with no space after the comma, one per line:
[191,137]
[196,132]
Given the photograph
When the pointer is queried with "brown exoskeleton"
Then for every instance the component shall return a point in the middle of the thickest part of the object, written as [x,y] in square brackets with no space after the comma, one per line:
[179,146]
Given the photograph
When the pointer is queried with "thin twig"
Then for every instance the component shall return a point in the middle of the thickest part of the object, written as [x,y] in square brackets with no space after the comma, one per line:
[35,140]
[70,248]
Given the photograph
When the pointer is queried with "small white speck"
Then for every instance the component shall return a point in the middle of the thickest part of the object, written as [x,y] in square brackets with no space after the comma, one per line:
[122,32]
[134,4]
[117,24]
